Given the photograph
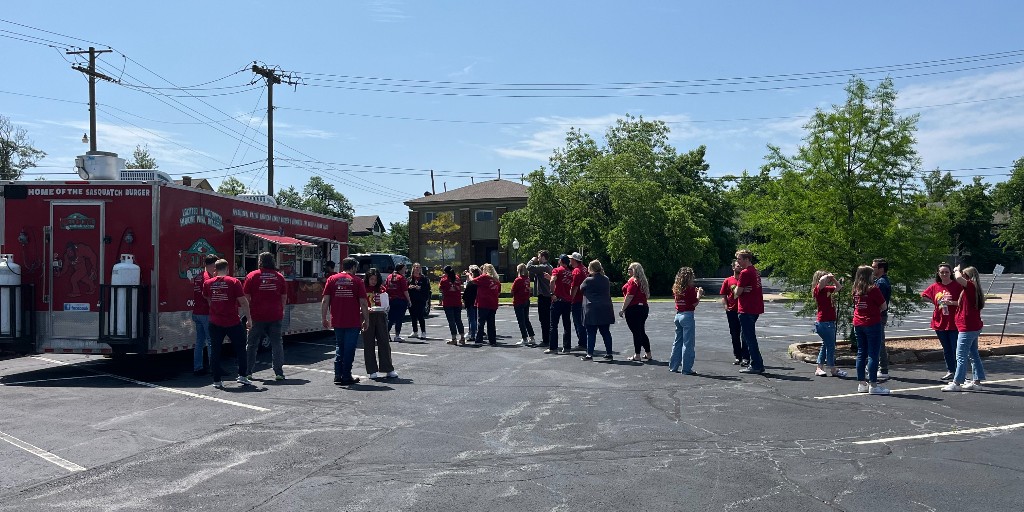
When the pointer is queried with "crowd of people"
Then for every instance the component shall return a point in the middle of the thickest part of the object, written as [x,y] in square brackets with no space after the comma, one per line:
[577,296]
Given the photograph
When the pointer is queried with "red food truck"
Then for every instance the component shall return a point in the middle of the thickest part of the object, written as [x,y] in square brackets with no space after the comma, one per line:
[105,265]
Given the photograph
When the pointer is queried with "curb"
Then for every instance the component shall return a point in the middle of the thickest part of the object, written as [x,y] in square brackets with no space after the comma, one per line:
[808,352]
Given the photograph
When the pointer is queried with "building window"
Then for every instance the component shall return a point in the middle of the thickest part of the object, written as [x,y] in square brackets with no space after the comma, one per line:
[429,217]
[484,215]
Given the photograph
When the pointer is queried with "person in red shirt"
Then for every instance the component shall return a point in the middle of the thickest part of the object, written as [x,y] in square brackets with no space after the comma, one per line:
[226,301]
[451,301]
[943,291]
[267,292]
[521,305]
[397,287]
[376,344]
[823,286]
[868,304]
[579,273]
[687,296]
[561,305]
[749,305]
[635,310]
[968,321]
[201,314]
[488,287]
[732,315]
[344,309]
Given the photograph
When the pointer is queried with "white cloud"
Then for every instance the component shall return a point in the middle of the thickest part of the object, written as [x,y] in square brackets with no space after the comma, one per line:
[172,155]
[388,11]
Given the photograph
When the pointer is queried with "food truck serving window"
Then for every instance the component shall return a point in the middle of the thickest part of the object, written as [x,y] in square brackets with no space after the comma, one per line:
[294,257]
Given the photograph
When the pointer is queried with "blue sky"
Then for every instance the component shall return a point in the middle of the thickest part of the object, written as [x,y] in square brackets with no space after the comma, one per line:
[392,89]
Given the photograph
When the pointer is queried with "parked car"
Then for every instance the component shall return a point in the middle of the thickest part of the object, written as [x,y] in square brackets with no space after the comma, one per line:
[385,264]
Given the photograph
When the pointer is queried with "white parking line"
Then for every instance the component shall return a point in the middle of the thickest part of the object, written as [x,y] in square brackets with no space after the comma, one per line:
[408,354]
[48,380]
[941,434]
[309,369]
[895,391]
[41,453]
[161,388]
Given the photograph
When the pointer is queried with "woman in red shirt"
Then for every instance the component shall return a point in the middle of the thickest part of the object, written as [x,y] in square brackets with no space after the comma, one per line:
[488,287]
[376,345]
[944,290]
[968,322]
[521,304]
[451,302]
[868,304]
[397,287]
[823,286]
[635,310]
[687,297]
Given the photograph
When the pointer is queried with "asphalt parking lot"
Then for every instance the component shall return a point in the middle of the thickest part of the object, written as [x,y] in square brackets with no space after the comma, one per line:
[509,428]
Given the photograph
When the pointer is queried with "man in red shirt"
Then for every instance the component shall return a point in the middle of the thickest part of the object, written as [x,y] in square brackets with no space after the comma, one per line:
[561,300]
[226,299]
[739,349]
[201,314]
[267,293]
[750,304]
[345,309]
[579,273]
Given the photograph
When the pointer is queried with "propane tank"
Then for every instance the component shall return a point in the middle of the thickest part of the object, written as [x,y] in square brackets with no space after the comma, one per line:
[125,303]
[10,297]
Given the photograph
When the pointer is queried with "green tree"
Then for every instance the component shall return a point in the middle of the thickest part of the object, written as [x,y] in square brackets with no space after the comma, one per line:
[141,159]
[440,234]
[16,151]
[399,238]
[938,186]
[289,197]
[231,186]
[321,197]
[969,212]
[1009,199]
[845,198]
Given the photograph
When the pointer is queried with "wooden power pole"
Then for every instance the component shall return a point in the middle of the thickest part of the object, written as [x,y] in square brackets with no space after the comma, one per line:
[272,76]
[93,75]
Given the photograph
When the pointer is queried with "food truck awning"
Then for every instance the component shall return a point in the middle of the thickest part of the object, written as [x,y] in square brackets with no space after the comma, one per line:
[320,239]
[277,239]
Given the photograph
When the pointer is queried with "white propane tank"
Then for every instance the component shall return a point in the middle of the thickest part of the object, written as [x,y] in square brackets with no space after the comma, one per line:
[10,275]
[125,273]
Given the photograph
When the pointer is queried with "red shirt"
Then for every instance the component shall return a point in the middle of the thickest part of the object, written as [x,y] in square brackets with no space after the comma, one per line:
[633,288]
[265,288]
[579,274]
[867,308]
[487,291]
[521,291]
[223,292]
[563,282]
[345,290]
[373,295]
[200,306]
[726,291]
[968,316]
[752,302]
[826,310]
[397,285]
[687,301]
[951,291]
[451,292]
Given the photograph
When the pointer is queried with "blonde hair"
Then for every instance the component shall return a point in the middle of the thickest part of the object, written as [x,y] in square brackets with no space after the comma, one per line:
[817,278]
[641,278]
[862,280]
[971,274]
[745,254]
[684,280]
[595,267]
[488,269]
[521,269]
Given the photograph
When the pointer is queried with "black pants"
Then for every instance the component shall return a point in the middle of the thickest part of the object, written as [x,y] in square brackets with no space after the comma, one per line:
[739,349]
[417,310]
[485,317]
[544,314]
[560,309]
[523,318]
[454,316]
[636,319]
[235,333]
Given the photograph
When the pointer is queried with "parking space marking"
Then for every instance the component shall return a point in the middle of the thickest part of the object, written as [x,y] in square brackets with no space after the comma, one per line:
[895,391]
[41,453]
[306,368]
[48,380]
[161,388]
[408,354]
[332,352]
[942,434]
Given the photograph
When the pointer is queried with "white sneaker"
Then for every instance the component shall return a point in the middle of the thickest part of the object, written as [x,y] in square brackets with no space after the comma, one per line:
[416,335]
[423,335]
[862,387]
[878,390]
[883,376]
[398,339]
[218,384]
[392,374]
[521,342]
[532,341]
[971,386]
[375,375]
[952,386]
[244,380]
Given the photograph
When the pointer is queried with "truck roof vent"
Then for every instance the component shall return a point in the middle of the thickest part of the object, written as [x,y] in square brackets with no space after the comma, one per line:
[144,175]
[258,198]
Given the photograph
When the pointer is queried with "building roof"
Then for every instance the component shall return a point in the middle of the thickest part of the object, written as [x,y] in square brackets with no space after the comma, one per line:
[196,183]
[483,191]
[365,224]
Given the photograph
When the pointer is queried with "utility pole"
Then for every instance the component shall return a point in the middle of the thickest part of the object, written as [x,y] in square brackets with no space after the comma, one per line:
[272,76]
[93,75]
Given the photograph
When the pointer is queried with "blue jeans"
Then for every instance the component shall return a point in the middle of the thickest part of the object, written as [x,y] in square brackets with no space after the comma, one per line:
[948,341]
[396,315]
[577,323]
[967,348]
[454,316]
[344,352]
[606,335]
[869,344]
[749,335]
[202,323]
[683,349]
[827,332]
[560,309]
[471,314]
